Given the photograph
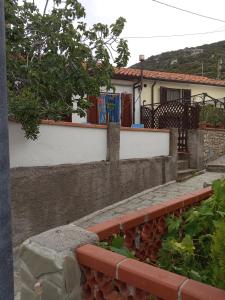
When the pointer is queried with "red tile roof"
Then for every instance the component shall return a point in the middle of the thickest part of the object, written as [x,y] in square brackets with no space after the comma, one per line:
[129,73]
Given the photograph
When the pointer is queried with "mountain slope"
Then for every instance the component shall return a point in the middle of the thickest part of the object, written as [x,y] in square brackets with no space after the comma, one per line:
[190,60]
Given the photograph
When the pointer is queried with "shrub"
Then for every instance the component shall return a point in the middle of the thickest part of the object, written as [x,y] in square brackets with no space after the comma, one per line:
[194,245]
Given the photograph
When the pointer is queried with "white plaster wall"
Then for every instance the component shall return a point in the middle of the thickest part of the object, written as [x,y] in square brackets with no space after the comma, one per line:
[56,145]
[138,99]
[141,144]
[214,91]
[121,86]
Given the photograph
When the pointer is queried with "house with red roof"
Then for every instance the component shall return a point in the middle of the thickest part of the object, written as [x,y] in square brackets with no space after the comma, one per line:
[133,87]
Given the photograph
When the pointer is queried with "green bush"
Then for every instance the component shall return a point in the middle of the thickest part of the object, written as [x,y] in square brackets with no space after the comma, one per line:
[194,245]
[212,115]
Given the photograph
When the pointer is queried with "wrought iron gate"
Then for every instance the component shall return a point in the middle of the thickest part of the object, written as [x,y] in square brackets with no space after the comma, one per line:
[181,114]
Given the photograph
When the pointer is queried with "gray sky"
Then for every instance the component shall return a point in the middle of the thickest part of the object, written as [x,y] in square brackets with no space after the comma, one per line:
[148,18]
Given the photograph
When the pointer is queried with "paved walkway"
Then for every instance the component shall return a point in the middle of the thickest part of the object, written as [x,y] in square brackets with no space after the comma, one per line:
[138,201]
[217,165]
[149,197]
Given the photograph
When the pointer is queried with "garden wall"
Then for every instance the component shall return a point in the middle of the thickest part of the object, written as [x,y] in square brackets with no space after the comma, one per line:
[137,143]
[50,269]
[214,144]
[70,143]
[205,145]
[46,197]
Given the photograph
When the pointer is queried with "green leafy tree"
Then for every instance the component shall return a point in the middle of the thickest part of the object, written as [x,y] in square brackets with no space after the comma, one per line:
[53,56]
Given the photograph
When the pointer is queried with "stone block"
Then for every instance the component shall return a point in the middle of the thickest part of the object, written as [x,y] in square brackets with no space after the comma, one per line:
[26,276]
[72,278]
[28,294]
[64,239]
[51,291]
[49,266]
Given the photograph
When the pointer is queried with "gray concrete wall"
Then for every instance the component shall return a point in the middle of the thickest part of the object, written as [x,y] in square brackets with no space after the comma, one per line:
[196,148]
[47,197]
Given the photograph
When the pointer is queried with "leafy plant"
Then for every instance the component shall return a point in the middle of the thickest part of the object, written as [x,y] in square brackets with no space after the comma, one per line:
[117,245]
[218,254]
[212,115]
[52,56]
[194,245]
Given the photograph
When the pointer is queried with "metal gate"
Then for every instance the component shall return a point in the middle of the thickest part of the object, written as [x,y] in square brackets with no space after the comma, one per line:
[181,114]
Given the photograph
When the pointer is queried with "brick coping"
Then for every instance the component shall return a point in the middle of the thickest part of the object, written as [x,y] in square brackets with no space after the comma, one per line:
[151,279]
[95,126]
[72,124]
[145,129]
[105,229]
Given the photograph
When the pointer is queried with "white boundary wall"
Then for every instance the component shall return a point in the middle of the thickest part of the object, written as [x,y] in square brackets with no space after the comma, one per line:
[143,144]
[69,143]
[57,145]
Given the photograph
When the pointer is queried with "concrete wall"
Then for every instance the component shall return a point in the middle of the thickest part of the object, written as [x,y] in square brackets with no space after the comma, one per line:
[46,197]
[68,143]
[214,91]
[141,144]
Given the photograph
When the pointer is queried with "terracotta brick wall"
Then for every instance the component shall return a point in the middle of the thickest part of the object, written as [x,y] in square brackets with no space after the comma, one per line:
[112,276]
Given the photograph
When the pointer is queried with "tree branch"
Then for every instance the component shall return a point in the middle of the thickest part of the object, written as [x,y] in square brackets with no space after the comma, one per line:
[46,5]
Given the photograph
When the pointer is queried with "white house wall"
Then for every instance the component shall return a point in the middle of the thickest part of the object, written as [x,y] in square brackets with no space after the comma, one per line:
[214,91]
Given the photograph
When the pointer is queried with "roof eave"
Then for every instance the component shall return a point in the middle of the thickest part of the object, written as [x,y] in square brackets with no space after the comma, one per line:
[130,77]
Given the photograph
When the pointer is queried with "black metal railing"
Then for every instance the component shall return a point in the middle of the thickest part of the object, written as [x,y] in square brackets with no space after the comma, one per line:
[181,113]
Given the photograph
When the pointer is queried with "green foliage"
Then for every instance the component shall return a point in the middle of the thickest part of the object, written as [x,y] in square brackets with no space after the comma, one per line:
[53,56]
[117,245]
[212,115]
[218,254]
[194,245]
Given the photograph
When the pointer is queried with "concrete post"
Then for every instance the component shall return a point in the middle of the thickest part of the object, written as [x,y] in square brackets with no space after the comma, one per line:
[113,142]
[169,163]
[196,148]
[49,269]
[173,142]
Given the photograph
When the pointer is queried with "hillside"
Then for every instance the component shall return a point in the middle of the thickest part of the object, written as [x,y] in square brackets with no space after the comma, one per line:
[190,60]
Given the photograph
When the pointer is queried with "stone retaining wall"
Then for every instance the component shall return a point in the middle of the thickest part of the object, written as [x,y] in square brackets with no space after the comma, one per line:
[214,144]
[205,146]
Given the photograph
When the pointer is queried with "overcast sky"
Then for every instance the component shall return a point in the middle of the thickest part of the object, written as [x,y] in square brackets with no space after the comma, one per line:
[148,18]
